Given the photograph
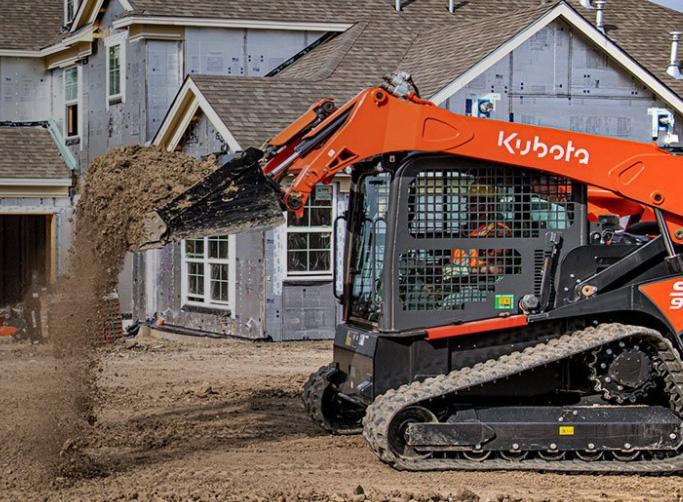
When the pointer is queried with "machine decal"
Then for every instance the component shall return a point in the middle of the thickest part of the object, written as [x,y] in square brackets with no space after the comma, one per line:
[355,340]
[667,295]
[517,146]
[566,430]
[504,302]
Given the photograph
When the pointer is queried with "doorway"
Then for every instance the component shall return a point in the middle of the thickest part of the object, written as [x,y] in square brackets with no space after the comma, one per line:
[27,249]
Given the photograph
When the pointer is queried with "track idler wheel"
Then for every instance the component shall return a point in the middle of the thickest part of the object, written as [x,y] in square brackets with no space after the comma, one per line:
[398,429]
[327,408]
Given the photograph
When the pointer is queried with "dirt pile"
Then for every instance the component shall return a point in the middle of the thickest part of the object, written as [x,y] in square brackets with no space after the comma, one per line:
[119,189]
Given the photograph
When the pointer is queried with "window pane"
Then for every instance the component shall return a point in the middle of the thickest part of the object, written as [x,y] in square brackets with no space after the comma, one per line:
[195,279]
[319,240]
[70,9]
[297,241]
[297,261]
[319,261]
[321,216]
[194,248]
[218,247]
[293,221]
[114,70]
[72,120]
[219,282]
[71,84]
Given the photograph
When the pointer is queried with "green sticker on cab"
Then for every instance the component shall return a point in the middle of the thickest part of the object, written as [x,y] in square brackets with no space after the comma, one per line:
[505,302]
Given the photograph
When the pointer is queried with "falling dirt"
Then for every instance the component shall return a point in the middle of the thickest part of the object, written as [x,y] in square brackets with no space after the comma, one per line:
[223,420]
[119,189]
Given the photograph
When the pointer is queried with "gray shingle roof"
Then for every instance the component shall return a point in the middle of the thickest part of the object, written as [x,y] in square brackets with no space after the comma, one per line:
[424,38]
[438,56]
[30,25]
[428,39]
[30,152]
[255,109]
[277,10]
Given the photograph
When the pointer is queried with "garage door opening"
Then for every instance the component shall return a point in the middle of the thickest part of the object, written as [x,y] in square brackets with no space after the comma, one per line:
[26,251]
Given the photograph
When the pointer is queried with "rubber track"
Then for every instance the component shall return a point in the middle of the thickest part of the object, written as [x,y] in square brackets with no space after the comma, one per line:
[380,413]
[312,396]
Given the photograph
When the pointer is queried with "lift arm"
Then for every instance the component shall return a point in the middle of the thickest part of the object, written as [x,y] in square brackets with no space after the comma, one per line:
[378,122]
[392,119]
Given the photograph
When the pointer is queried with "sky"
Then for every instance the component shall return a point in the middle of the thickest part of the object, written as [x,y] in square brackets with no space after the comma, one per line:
[672,4]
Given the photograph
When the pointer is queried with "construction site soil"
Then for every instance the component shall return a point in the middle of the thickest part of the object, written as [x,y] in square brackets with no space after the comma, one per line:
[195,419]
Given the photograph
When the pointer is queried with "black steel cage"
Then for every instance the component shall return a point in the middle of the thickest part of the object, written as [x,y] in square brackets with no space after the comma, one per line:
[467,239]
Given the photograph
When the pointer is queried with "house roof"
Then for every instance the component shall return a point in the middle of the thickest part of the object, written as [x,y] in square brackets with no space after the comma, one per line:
[433,44]
[30,25]
[296,10]
[429,40]
[439,55]
[281,101]
[28,151]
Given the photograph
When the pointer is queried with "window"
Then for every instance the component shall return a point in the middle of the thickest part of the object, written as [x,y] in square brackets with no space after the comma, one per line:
[71,101]
[367,246]
[208,269]
[70,9]
[309,239]
[116,67]
[115,71]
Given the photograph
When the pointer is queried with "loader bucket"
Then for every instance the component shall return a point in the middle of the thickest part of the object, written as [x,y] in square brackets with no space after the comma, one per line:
[236,197]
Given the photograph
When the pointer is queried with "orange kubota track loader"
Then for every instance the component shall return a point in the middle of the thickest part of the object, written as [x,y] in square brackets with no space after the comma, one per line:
[489,323]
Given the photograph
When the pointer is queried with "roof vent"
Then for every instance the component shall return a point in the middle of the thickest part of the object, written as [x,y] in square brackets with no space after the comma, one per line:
[600,14]
[397,5]
[451,6]
[586,4]
[674,68]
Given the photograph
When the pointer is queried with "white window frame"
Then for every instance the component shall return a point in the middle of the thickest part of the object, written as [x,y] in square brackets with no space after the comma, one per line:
[76,4]
[109,42]
[207,262]
[70,102]
[313,275]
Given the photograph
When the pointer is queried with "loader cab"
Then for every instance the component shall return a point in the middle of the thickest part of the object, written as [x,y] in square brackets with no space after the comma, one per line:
[442,239]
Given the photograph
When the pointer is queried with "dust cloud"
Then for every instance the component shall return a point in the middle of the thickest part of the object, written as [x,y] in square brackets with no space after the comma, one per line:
[119,188]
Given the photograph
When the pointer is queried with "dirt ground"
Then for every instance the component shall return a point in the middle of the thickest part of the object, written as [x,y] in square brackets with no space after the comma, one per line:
[223,420]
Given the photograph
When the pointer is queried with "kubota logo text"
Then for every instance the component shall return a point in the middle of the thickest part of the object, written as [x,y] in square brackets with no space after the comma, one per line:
[676,296]
[518,146]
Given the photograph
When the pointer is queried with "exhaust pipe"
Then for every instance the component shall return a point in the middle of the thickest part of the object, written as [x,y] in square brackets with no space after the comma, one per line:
[674,68]
[600,14]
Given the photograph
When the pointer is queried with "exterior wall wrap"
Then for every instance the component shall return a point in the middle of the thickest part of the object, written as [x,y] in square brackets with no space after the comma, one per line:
[25,90]
[557,79]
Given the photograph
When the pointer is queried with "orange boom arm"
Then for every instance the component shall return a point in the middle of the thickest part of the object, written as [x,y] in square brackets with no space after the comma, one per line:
[378,122]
